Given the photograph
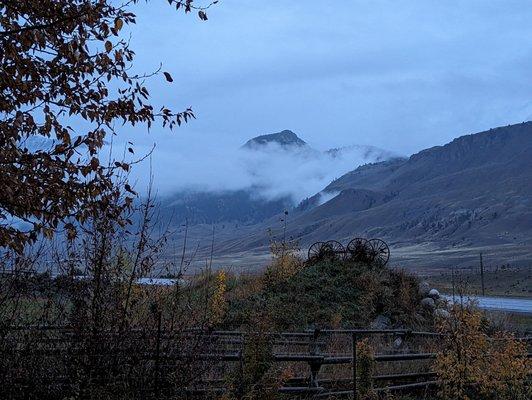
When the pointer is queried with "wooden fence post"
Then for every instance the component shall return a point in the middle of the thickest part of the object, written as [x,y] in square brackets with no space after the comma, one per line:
[314,366]
[354,342]
[482,275]
[240,389]
[158,350]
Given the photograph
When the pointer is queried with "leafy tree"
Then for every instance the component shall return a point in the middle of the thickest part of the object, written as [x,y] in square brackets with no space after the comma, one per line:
[65,84]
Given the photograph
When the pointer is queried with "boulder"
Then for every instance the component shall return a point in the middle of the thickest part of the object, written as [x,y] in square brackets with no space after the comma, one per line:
[381,322]
[441,302]
[428,303]
[433,293]
[441,313]
[424,289]
[397,343]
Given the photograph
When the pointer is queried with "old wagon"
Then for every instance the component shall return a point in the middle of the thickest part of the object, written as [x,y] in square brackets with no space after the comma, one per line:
[368,251]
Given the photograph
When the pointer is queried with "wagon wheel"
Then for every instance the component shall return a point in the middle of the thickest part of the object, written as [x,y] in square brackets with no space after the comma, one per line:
[380,252]
[315,252]
[357,250]
[334,250]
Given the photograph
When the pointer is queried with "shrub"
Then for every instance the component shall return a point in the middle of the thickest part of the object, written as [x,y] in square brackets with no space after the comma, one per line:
[473,365]
[285,262]
[365,369]
[326,294]
[218,303]
[104,336]
[257,377]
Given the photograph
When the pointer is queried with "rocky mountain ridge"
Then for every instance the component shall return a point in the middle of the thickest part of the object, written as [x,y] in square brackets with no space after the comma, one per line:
[473,191]
[284,138]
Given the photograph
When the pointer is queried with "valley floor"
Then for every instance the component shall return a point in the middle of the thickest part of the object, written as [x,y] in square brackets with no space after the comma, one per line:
[431,257]
[499,280]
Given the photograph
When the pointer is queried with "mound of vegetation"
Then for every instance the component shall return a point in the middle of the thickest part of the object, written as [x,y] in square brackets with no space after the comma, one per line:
[291,295]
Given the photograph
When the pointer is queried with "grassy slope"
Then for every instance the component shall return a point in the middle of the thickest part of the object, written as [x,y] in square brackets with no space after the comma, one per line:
[326,295]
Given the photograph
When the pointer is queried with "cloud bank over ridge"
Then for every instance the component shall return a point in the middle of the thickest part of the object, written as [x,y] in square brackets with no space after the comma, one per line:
[271,172]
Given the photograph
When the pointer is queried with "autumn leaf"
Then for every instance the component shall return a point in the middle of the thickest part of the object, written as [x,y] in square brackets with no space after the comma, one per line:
[202,15]
[95,163]
[108,46]
[168,77]
[129,189]
[118,24]
[71,231]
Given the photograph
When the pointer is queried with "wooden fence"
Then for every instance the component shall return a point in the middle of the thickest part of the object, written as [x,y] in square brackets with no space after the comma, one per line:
[313,349]
[316,359]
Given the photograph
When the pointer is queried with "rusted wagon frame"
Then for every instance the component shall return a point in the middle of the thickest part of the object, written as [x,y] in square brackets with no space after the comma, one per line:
[379,251]
[331,250]
[372,251]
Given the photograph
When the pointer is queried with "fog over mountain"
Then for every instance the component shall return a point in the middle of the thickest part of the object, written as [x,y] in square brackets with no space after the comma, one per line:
[266,175]
[273,169]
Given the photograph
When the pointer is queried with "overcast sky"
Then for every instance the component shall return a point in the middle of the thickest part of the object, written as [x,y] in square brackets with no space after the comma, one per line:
[401,75]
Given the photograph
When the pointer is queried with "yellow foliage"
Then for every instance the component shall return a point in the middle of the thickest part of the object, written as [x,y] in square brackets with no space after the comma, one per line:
[218,302]
[336,320]
[259,377]
[506,375]
[473,365]
[365,369]
[285,261]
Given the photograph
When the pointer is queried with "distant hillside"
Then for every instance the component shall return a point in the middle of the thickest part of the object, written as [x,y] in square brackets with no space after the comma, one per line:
[475,188]
[474,191]
[218,207]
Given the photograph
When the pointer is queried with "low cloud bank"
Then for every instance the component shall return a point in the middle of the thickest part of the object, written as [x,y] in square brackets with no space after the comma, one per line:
[271,172]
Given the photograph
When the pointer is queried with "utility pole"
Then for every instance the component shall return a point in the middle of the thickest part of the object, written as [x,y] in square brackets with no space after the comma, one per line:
[284,228]
[453,283]
[212,247]
[284,232]
[482,275]
[354,361]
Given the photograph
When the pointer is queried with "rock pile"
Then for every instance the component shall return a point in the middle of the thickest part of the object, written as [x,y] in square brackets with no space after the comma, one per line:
[432,301]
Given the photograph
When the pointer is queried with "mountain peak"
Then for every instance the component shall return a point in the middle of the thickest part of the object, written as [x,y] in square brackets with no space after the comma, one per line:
[284,138]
